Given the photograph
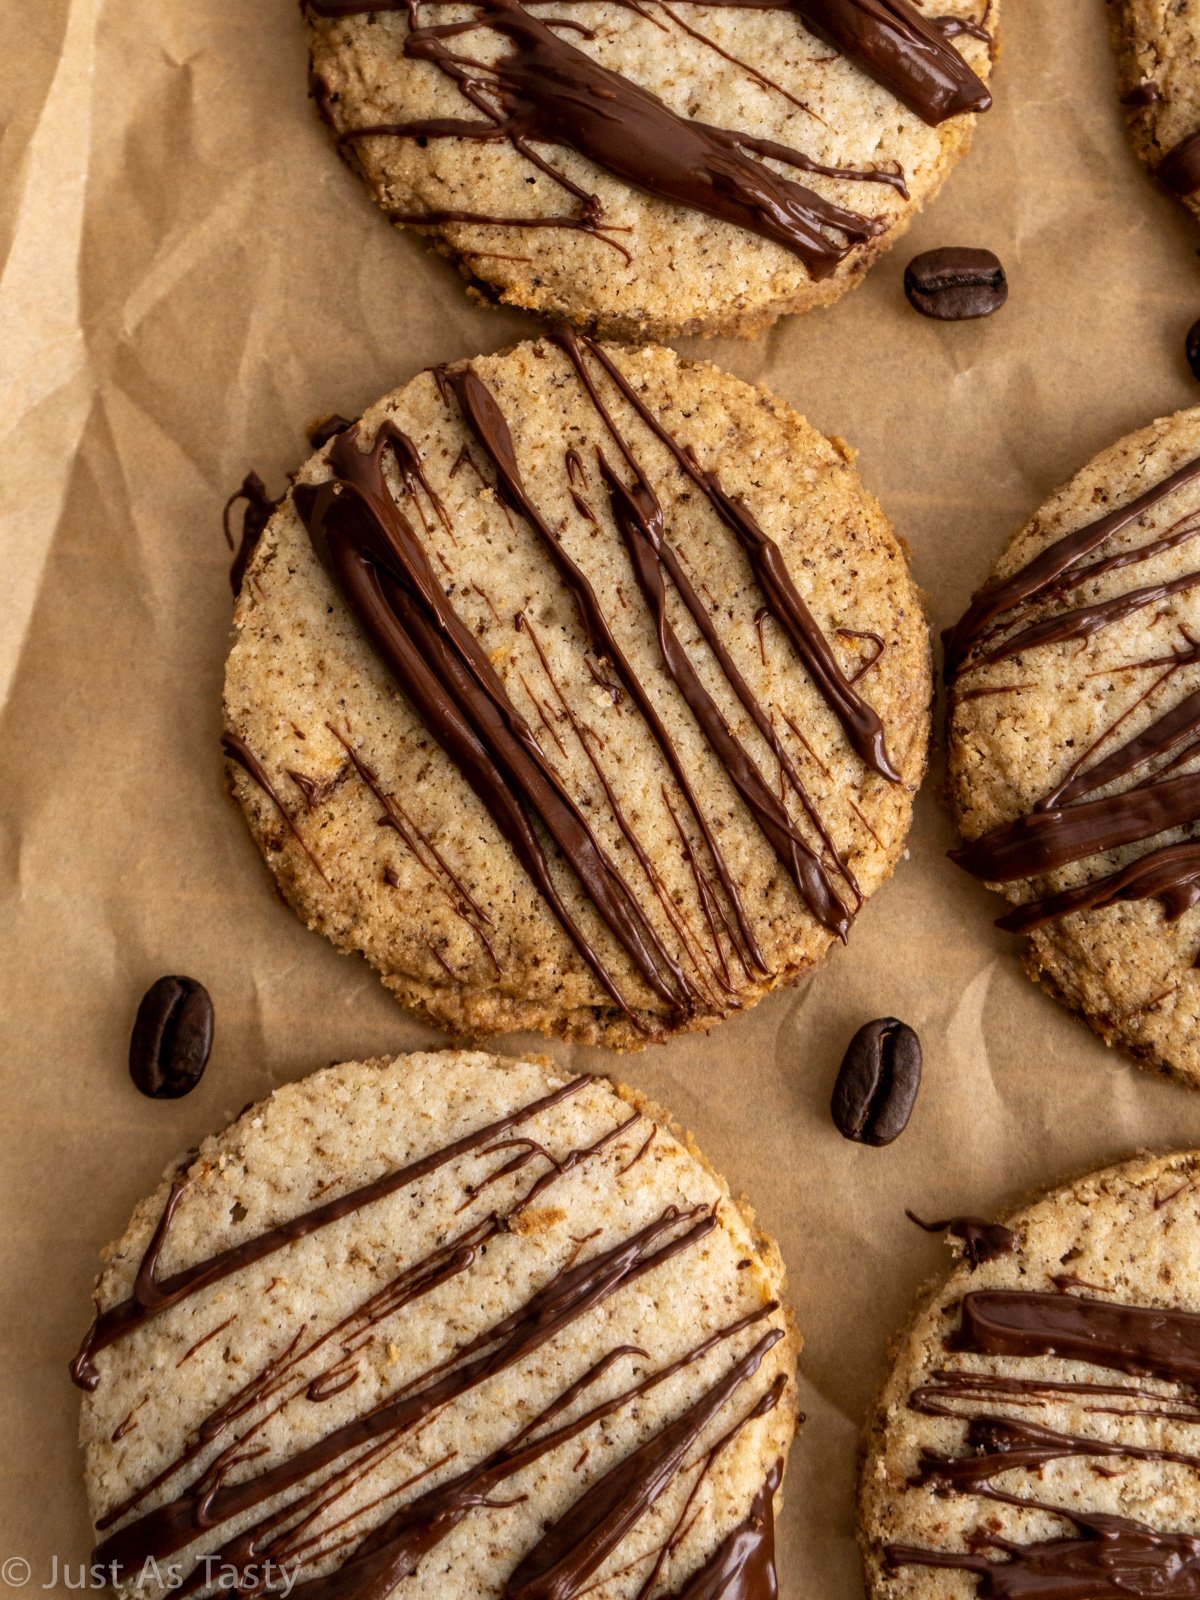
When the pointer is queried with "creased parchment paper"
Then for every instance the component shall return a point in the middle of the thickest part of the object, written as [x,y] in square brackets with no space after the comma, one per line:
[189,277]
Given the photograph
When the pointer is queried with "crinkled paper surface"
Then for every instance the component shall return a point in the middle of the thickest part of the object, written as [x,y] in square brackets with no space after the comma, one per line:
[189,277]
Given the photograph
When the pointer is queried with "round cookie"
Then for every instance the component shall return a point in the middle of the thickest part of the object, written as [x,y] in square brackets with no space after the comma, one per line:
[1037,1434]
[660,170]
[601,712]
[1158,47]
[440,1325]
[1074,724]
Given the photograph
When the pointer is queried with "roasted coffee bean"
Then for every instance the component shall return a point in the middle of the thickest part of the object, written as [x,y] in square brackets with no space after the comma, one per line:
[1193,349]
[878,1082]
[172,1036]
[955,285]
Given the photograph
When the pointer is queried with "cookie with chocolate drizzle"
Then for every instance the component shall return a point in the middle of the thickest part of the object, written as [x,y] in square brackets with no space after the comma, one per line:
[1074,722]
[1158,47]
[579,689]
[441,1325]
[650,169]
[1038,1436]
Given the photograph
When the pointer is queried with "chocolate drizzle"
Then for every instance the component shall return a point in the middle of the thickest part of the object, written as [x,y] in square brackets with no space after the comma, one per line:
[1105,1557]
[982,1241]
[1023,613]
[152,1296]
[545,91]
[365,532]
[299,1487]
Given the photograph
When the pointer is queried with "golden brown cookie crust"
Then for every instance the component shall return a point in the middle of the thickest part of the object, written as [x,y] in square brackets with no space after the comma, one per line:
[690,274]
[1158,49]
[623,1166]
[461,935]
[1018,727]
[1129,1234]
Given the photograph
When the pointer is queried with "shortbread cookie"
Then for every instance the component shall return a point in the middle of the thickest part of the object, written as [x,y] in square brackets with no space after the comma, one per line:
[1075,742]
[581,690]
[660,169]
[1039,1434]
[444,1326]
[1158,45]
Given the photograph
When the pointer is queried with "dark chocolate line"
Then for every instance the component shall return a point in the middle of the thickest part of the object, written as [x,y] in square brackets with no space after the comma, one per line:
[1040,841]
[1156,1341]
[382,572]
[640,528]
[171,1527]
[889,40]
[487,423]
[114,1323]
[239,751]
[1009,1444]
[860,723]
[1007,593]
[650,511]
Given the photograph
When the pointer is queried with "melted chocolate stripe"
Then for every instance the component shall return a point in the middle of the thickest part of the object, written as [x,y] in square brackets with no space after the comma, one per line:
[1109,1557]
[1139,1340]
[1170,875]
[549,91]
[743,1565]
[859,721]
[240,752]
[575,1546]
[487,423]
[1007,593]
[704,622]
[1043,840]
[396,1548]
[1162,736]
[382,571]
[1009,1444]
[171,1527]
[641,530]
[113,1324]
[889,40]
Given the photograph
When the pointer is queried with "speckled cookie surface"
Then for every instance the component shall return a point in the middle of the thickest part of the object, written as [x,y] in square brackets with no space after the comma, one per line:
[1037,1432]
[376,836]
[1073,744]
[536,1341]
[620,259]
[1158,48]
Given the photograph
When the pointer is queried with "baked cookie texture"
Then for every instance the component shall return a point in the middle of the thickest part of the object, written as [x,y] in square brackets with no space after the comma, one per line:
[529,1340]
[1073,742]
[661,770]
[1158,49]
[993,1465]
[618,254]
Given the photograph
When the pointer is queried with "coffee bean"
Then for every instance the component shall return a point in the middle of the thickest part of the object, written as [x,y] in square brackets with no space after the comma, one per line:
[1193,349]
[876,1088]
[955,285]
[172,1036]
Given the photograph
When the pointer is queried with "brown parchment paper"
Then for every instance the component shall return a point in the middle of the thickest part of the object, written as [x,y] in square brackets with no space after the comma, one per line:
[188,277]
